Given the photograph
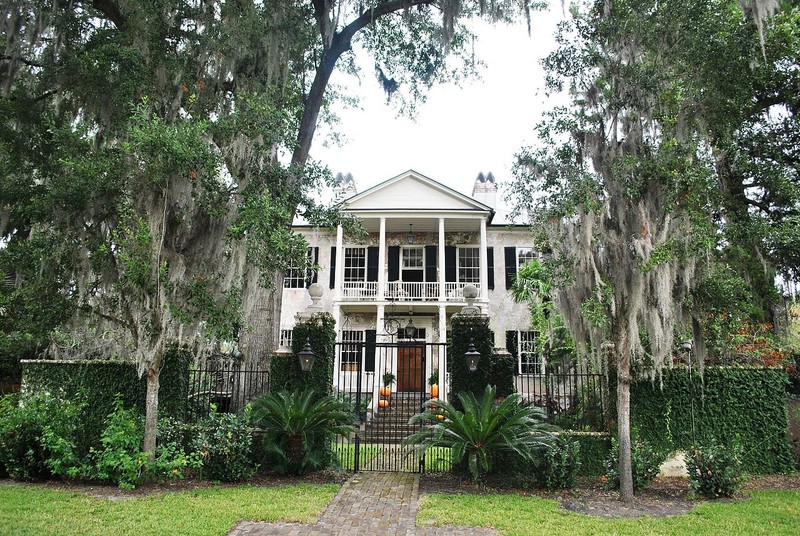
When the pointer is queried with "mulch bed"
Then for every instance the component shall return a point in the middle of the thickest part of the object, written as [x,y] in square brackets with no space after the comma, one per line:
[664,497]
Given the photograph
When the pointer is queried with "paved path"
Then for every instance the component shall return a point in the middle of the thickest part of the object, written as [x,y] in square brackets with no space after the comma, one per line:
[367,504]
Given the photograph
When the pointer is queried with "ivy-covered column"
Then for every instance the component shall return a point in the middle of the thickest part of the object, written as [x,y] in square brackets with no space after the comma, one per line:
[319,329]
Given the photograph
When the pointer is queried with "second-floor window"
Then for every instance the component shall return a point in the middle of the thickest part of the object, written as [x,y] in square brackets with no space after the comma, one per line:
[469,265]
[355,264]
[524,256]
[301,275]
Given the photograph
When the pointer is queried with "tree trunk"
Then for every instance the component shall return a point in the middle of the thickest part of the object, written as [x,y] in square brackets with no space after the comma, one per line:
[258,339]
[622,350]
[151,410]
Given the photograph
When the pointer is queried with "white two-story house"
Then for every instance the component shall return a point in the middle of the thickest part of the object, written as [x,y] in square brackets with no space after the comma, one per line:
[426,242]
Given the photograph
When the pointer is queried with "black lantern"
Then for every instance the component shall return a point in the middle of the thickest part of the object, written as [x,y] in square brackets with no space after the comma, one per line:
[472,356]
[411,329]
[410,238]
[306,356]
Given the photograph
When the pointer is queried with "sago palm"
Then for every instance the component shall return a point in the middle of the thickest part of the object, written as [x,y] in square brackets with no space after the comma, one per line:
[485,428]
[295,425]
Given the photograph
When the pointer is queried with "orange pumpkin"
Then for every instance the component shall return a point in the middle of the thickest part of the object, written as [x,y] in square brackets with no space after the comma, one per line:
[435,390]
[386,391]
[383,403]
[434,406]
[440,417]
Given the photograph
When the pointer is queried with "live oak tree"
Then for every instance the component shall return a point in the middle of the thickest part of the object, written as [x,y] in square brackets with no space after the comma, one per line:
[142,191]
[623,189]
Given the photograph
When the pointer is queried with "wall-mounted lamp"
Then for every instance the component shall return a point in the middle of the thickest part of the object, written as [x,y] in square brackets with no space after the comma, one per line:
[306,356]
[472,356]
[410,238]
[411,329]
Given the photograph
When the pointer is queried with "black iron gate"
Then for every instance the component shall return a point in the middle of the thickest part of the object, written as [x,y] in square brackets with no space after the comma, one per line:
[387,384]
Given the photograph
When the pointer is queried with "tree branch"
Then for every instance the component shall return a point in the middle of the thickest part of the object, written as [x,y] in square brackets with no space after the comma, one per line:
[29,63]
[111,10]
[340,43]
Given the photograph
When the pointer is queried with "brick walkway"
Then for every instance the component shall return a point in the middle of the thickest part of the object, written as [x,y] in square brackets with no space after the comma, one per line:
[367,504]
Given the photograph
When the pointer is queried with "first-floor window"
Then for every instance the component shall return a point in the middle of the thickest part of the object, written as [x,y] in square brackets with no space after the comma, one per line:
[524,256]
[530,362]
[286,338]
[352,343]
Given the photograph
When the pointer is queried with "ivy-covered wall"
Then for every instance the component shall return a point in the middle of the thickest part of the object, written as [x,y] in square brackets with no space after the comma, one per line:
[493,369]
[285,372]
[101,381]
[725,405]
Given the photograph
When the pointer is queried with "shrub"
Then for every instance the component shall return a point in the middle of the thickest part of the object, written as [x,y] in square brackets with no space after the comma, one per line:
[174,456]
[37,436]
[714,470]
[561,463]
[120,459]
[296,427]
[224,442]
[483,430]
[645,460]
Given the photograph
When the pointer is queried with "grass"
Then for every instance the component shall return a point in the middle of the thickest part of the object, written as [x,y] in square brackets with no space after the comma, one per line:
[765,512]
[33,510]
[346,454]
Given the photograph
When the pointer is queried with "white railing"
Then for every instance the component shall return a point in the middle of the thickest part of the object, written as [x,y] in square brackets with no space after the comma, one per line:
[455,291]
[398,291]
[360,291]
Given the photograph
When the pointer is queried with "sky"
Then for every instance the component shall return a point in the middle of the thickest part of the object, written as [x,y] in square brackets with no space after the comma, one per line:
[459,131]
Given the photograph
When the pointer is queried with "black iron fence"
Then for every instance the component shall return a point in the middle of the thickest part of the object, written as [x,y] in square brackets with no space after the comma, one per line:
[575,397]
[225,384]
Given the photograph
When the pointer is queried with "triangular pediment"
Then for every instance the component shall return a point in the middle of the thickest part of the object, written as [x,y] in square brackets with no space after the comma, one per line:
[412,191]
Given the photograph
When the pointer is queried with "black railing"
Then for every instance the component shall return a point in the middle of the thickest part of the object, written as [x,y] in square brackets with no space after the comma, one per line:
[574,397]
[225,384]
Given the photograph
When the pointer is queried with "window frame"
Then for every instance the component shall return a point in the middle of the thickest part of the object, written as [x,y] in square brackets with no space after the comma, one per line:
[519,256]
[348,270]
[476,267]
[351,355]
[528,355]
[296,277]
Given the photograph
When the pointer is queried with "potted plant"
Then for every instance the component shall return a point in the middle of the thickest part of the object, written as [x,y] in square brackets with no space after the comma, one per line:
[433,381]
[388,380]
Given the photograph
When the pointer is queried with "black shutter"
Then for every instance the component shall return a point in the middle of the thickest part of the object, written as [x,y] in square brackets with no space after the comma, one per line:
[511,267]
[333,267]
[430,264]
[490,268]
[511,346]
[450,264]
[394,263]
[372,263]
[370,336]
[314,260]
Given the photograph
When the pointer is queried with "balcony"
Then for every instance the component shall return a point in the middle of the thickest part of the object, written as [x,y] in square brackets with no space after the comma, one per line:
[404,292]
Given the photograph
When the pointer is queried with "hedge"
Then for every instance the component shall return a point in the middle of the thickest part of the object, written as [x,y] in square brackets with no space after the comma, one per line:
[285,372]
[594,450]
[493,369]
[100,382]
[725,405]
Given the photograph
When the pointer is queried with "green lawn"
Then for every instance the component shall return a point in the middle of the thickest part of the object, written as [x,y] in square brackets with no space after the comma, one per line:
[766,512]
[32,510]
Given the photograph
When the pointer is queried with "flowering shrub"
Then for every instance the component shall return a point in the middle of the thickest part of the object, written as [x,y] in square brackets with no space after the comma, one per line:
[715,471]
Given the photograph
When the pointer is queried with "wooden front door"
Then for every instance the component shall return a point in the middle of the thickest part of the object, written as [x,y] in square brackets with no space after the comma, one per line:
[409,368]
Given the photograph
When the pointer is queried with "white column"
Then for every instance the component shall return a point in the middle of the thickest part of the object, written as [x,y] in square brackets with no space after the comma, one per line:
[337,317]
[484,260]
[337,287]
[382,264]
[380,317]
[442,365]
[442,292]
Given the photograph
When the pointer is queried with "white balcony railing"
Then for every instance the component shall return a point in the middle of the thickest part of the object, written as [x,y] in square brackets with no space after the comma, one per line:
[404,292]
[359,291]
